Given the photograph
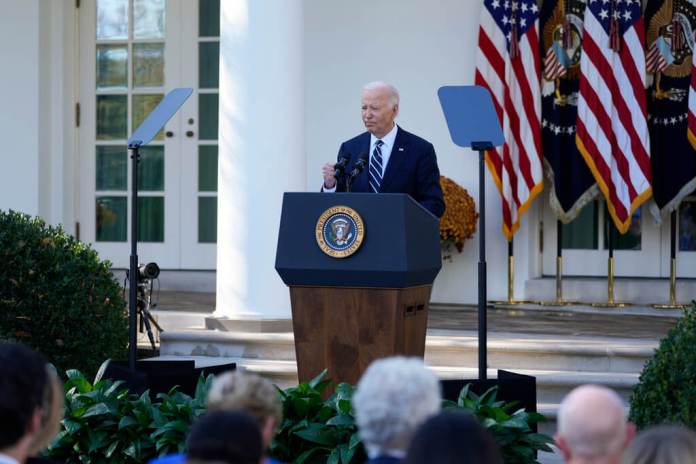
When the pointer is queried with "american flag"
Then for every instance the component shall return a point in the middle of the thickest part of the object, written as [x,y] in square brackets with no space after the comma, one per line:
[659,56]
[508,64]
[555,62]
[612,131]
[691,131]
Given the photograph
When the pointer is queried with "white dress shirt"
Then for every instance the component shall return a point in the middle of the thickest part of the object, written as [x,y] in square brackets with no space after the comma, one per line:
[387,147]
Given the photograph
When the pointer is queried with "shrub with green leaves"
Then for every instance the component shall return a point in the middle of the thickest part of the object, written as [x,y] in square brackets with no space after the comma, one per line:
[510,427]
[324,431]
[57,296]
[666,391]
[105,423]
[315,430]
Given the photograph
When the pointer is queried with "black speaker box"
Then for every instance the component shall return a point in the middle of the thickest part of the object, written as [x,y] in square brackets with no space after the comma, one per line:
[160,376]
[511,387]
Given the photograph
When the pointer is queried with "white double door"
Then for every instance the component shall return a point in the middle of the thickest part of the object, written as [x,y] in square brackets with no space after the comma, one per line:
[132,52]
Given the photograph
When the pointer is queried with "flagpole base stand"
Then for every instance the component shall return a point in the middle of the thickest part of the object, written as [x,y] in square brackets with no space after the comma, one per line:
[611,304]
[670,306]
[562,303]
[512,302]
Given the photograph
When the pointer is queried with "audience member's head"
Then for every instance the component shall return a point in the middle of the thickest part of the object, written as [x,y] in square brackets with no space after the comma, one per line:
[394,396]
[453,437]
[664,444]
[53,411]
[238,391]
[229,437]
[592,426]
[22,390]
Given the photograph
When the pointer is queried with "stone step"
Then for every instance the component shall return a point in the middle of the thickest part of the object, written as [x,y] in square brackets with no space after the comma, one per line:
[594,289]
[547,352]
[443,348]
[173,320]
[248,345]
[552,386]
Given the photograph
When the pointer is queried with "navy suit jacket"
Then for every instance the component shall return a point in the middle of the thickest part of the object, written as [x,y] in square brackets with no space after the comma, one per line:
[412,169]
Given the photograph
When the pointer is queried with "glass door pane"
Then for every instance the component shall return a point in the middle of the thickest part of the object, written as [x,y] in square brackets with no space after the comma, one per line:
[685,240]
[126,69]
[585,244]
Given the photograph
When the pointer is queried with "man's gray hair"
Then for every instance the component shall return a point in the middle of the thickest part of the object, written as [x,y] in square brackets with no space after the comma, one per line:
[379,85]
[592,421]
[394,396]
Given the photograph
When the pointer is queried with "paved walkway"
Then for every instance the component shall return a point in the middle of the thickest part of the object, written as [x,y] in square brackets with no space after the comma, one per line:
[631,322]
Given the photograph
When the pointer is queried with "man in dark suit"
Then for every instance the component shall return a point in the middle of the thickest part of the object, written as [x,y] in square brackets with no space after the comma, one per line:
[399,162]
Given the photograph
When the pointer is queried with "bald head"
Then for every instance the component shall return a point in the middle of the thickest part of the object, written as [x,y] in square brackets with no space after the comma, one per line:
[592,425]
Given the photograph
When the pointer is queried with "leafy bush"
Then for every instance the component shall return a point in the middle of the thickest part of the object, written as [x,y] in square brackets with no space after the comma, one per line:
[316,430]
[511,430]
[104,423]
[57,296]
[666,391]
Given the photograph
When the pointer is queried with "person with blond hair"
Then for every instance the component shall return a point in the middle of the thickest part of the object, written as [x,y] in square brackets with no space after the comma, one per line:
[246,392]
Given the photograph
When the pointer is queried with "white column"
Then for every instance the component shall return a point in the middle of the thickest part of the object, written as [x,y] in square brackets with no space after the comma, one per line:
[19,93]
[261,150]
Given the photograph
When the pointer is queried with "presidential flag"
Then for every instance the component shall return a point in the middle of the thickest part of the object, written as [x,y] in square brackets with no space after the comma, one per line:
[670,43]
[508,64]
[573,185]
[612,131]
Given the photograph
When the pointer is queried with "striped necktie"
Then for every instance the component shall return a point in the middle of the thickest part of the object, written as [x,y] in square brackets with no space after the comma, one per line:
[376,169]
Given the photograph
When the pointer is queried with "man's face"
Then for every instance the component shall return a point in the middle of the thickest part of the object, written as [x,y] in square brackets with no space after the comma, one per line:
[377,113]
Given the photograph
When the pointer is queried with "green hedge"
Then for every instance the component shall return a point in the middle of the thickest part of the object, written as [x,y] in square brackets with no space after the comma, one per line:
[57,296]
[666,391]
[105,423]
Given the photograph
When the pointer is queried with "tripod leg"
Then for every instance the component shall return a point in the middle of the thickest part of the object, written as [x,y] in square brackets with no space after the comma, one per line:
[154,321]
[145,317]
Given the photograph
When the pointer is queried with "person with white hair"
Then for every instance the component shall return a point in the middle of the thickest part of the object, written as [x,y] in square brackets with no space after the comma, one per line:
[662,444]
[592,426]
[392,160]
[393,398]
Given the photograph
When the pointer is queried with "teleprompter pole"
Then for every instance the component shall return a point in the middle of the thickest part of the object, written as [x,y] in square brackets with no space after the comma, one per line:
[482,291]
[133,272]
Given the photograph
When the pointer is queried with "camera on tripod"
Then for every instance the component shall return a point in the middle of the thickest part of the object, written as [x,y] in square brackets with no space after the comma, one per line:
[146,274]
[148,271]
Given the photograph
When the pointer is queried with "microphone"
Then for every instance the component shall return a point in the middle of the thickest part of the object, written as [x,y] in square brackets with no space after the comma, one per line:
[359,165]
[340,167]
[357,169]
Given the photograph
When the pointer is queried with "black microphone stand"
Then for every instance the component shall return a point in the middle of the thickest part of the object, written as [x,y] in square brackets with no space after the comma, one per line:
[357,169]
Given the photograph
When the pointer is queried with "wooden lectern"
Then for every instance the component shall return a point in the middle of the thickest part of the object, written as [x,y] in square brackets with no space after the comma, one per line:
[347,312]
